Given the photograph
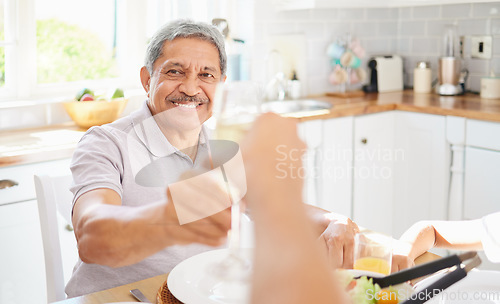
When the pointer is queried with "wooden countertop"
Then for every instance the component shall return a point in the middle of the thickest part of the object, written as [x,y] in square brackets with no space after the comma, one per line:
[26,146]
[468,106]
[56,142]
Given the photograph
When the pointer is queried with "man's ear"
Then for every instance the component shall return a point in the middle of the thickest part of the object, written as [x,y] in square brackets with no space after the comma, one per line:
[224,79]
[145,79]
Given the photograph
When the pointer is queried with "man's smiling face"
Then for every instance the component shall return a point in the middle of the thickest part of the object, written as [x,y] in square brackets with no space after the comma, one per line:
[183,83]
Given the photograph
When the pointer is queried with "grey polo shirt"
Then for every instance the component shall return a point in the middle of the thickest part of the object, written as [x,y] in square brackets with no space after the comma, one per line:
[119,156]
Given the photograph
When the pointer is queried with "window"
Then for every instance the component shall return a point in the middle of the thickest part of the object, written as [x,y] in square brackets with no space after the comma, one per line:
[7,41]
[76,41]
[53,48]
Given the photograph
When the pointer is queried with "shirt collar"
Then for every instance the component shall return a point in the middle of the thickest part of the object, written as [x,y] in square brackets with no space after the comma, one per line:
[148,131]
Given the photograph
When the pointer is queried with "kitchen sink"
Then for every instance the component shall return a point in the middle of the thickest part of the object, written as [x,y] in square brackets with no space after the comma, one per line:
[295,106]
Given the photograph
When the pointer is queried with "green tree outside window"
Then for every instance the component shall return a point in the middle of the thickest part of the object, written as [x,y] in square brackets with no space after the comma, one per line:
[66,52]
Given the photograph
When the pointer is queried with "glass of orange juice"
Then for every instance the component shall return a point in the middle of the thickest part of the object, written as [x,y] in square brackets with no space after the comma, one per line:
[373,252]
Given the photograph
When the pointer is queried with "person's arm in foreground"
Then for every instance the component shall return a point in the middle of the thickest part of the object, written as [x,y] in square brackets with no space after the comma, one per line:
[289,266]
[424,235]
[114,235]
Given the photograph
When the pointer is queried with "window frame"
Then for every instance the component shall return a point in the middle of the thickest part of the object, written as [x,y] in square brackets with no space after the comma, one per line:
[10,44]
[20,55]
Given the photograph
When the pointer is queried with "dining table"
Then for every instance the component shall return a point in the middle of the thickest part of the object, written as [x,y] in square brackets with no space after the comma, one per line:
[156,286]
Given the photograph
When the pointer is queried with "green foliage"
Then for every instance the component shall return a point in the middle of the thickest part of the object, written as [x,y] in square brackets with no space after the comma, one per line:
[66,52]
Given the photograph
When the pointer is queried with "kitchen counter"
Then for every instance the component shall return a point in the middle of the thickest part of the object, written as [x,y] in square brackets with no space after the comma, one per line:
[55,142]
[27,146]
[468,106]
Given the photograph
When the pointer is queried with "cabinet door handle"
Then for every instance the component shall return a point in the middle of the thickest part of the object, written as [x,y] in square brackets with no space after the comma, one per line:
[364,141]
[7,183]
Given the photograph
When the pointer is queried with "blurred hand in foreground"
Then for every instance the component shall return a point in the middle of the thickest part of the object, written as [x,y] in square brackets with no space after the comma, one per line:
[289,266]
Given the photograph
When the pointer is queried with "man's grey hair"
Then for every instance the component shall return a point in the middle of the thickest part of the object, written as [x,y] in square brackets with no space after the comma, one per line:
[185,29]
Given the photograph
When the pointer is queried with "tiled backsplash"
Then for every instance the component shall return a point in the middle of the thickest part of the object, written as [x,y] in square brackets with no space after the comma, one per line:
[415,33]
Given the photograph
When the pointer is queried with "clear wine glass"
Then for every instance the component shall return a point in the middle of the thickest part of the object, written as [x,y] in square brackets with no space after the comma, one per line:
[236,106]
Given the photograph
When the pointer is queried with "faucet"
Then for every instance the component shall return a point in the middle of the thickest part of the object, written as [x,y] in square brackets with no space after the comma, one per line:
[276,85]
[276,89]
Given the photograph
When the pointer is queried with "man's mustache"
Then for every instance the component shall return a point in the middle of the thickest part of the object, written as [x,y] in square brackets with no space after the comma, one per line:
[186,98]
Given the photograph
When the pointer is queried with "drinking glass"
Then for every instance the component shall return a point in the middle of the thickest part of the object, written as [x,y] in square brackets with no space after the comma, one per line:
[373,252]
[236,106]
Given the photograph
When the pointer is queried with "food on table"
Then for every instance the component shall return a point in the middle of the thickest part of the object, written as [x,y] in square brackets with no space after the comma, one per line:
[388,296]
[363,291]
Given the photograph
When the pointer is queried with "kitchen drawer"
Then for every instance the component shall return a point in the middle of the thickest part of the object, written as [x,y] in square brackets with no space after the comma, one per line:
[23,176]
[483,134]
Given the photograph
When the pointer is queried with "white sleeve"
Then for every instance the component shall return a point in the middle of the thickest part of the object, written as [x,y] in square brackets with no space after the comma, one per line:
[491,236]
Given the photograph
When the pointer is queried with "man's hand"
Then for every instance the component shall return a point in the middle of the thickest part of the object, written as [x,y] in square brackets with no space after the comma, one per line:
[211,230]
[338,241]
[198,209]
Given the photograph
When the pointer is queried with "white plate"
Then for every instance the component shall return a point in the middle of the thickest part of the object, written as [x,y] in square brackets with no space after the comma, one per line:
[478,286]
[190,282]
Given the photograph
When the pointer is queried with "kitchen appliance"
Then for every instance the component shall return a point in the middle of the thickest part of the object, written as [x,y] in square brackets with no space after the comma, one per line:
[386,74]
[422,78]
[451,76]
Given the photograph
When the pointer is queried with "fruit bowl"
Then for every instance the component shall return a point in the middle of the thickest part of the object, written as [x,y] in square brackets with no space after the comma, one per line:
[96,112]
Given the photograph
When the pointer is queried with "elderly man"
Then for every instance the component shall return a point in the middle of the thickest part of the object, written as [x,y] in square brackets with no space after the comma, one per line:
[127,228]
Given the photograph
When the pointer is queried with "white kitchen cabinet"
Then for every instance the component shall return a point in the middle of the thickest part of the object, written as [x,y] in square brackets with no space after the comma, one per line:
[311,133]
[482,180]
[22,175]
[481,191]
[482,174]
[22,274]
[421,169]
[336,163]
[401,170]
[482,169]
[328,163]
[373,171]
[22,270]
